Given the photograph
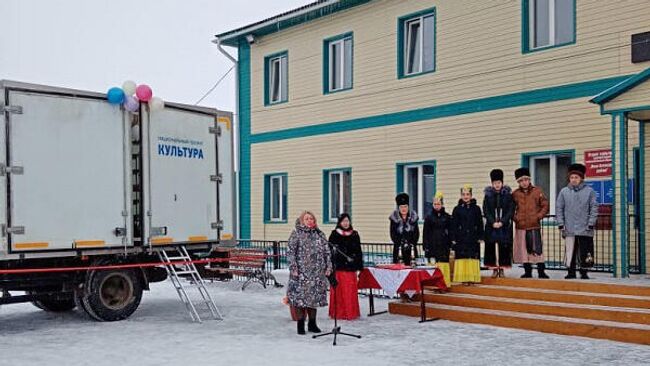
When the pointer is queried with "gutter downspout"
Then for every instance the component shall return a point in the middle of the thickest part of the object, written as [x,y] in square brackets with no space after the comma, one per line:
[235,143]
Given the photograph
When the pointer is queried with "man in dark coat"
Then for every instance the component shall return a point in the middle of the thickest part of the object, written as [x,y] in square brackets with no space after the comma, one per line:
[404,230]
[498,208]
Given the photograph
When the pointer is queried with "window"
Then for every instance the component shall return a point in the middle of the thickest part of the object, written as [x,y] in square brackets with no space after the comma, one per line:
[275,198]
[338,63]
[549,172]
[276,78]
[337,193]
[416,43]
[548,23]
[418,180]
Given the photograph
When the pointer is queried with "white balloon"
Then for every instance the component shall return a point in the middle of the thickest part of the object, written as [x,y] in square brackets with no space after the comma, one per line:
[156,104]
[129,87]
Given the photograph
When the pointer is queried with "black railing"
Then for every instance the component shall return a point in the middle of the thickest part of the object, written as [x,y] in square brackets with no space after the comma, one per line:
[379,253]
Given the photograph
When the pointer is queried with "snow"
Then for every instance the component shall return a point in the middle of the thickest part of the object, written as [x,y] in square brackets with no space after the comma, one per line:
[257,330]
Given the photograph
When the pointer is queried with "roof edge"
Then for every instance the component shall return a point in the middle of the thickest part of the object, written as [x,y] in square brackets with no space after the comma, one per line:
[621,87]
[280,22]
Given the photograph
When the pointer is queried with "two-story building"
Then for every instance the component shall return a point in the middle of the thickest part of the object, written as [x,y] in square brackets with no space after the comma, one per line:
[344,103]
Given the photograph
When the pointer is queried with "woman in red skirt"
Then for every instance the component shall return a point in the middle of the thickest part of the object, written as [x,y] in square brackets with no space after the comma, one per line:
[344,299]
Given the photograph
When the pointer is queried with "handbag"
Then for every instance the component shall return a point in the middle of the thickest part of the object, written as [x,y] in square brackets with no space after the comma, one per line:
[534,242]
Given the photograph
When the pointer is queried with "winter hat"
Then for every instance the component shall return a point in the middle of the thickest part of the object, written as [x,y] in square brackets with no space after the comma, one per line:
[402,199]
[522,173]
[439,197]
[578,169]
[496,174]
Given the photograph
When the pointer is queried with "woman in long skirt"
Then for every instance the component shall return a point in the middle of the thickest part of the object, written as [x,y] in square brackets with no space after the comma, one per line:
[468,231]
[344,297]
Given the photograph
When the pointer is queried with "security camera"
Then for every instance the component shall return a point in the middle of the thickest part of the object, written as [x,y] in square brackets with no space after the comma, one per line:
[250,39]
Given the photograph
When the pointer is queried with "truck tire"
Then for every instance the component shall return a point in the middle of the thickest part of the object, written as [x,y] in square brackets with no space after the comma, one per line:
[55,303]
[79,300]
[112,295]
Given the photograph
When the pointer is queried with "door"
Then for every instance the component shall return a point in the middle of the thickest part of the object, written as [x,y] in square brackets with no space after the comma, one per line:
[180,176]
[69,178]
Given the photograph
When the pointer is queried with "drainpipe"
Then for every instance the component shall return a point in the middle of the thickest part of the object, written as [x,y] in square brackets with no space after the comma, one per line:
[235,143]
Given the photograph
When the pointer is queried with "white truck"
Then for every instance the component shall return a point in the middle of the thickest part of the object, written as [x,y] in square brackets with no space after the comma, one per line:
[85,183]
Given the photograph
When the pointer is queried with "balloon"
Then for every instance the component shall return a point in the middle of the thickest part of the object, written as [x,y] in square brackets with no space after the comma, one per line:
[143,92]
[115,95]
[156,104]
[131,104]
[129,87]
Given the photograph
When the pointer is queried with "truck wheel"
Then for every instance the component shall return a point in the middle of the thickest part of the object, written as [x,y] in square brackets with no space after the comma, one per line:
[55,303]
[112,295]
[79,294]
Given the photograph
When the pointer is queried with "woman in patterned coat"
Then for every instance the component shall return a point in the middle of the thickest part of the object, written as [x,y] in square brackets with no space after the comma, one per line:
[309,266]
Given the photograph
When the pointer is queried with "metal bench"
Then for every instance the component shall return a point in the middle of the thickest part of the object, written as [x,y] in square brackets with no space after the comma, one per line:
[249,263]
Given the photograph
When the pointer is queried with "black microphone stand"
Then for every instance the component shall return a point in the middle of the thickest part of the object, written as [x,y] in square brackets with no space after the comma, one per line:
[337,329]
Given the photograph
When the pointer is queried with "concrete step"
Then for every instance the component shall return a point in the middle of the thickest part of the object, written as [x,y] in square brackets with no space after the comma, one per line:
[616,331]
[582,311]
[560,296]
[591,285]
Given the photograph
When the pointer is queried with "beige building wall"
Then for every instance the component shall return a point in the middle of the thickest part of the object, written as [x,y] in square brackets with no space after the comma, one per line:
[464,147]
[478,54]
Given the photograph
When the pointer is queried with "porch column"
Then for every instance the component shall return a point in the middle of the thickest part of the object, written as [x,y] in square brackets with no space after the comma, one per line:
[644,191]
[620,207]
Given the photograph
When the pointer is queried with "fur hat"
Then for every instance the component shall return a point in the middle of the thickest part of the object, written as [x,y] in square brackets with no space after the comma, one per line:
[496,174]
[522,173]
[578,169]
[402,199]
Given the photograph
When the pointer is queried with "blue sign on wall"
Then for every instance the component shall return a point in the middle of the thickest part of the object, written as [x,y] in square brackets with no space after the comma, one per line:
[597,185]
[605,191]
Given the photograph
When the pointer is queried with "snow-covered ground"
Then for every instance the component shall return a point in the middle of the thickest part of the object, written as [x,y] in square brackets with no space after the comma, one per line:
[257,330]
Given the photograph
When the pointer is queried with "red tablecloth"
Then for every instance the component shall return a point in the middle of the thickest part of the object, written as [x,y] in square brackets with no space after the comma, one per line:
[412,279]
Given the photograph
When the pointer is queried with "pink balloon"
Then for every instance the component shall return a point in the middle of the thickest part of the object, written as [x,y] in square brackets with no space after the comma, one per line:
[143,92]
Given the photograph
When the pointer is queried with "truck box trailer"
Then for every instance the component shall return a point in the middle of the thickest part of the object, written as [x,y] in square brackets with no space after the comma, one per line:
[86,183]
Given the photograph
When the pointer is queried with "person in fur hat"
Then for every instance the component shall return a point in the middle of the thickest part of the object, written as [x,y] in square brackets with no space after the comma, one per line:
[576,215]
[531,206]
[404,230]
[436,237]
[498,209]
[468,231]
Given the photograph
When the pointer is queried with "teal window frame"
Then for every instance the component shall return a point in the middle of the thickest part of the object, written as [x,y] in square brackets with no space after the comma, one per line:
[401,21]
[267,78]
[525,162]
[526,33]
[267,198]
[326,62]
[399,184]
[326,193]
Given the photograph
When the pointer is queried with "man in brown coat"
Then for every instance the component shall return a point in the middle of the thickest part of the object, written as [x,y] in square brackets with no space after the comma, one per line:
[531,205]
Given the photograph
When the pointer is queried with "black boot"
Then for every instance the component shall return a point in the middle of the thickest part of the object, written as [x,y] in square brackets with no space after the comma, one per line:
[312,327]
[583,274]
[301,326]
[540,271]
[528,271]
